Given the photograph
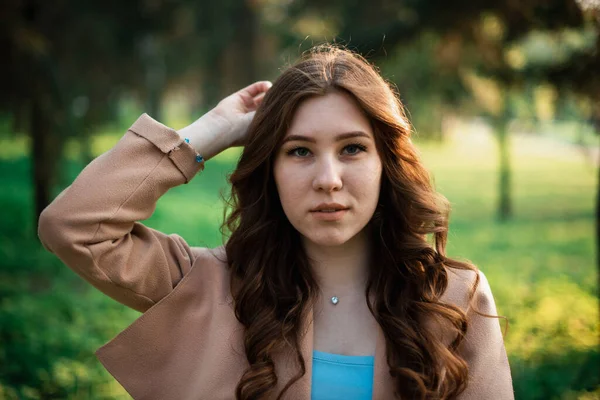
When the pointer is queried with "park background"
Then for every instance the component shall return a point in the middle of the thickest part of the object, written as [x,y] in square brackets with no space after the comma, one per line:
[504,97]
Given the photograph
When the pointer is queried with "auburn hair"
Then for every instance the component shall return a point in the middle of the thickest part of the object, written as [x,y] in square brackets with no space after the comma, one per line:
[271,280]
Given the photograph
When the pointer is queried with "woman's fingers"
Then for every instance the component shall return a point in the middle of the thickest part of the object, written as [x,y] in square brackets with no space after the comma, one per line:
[258,99]
[247,99]
[253,95]
[256,88]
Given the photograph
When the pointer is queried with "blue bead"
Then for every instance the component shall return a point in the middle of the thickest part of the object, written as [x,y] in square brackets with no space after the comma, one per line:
[199,158]
[187,140]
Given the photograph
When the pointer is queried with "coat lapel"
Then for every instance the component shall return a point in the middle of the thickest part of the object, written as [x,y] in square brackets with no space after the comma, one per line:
[383,383]
[286,365]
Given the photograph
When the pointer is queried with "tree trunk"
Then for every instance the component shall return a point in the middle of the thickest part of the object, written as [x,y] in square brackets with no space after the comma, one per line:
[44,154]
[212,87]
[505,173]
[246,39]
[239,57]
[154,60]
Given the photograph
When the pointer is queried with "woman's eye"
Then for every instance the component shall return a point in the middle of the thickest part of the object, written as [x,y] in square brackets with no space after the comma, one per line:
[299,151]
[354,148]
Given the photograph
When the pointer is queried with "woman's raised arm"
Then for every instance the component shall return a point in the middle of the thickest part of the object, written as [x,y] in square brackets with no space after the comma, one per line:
[93,225]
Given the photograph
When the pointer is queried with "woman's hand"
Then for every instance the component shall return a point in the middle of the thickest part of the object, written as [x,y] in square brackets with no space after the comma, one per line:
[226,125]
[238,109]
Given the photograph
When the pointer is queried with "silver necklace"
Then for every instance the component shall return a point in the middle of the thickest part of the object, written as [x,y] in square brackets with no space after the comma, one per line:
[334,300]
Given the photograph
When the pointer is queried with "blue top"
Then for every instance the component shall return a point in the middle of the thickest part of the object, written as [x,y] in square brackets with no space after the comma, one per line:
[340,377]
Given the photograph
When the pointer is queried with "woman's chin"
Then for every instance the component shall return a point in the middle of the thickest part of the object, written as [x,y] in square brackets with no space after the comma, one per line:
[328,240]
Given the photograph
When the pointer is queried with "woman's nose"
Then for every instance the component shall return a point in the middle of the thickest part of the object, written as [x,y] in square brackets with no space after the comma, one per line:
[328,175]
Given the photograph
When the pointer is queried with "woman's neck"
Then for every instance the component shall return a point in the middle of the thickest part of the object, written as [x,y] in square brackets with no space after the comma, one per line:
[341,270]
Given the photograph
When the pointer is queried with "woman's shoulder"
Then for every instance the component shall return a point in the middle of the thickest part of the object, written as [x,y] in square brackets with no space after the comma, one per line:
[216,256]
[460,287]
[483,346]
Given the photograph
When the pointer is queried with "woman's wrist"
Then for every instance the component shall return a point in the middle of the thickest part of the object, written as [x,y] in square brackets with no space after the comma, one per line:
[207,135]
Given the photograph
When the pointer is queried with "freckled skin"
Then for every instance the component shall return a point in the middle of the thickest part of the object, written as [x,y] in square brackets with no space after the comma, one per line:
[328,171]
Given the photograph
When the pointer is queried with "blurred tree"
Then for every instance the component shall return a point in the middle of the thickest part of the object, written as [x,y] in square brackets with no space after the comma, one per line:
[219,44]
[65,65]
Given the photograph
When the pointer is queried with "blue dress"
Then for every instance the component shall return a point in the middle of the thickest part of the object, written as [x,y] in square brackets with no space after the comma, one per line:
[340,377]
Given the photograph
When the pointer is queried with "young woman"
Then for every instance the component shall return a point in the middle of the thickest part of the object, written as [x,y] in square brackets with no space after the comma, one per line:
[327,288]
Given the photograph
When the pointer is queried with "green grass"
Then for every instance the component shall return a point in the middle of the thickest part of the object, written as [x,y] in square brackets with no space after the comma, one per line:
[540,264]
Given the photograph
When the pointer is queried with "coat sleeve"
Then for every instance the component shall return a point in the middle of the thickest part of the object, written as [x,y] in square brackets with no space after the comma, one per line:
[93,225]
[484,351]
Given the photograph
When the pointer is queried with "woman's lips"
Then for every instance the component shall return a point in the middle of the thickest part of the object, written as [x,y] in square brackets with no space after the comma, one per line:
[329,215]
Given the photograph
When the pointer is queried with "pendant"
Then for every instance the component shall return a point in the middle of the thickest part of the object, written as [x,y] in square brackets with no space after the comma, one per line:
[334,300]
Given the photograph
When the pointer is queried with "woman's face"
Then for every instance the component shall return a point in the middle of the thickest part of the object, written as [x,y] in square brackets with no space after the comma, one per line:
[328,171]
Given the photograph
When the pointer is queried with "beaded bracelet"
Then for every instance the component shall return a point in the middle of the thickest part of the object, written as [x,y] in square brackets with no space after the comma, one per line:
[199,158]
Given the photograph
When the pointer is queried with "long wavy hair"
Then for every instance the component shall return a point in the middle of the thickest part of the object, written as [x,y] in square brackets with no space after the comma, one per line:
[271,280]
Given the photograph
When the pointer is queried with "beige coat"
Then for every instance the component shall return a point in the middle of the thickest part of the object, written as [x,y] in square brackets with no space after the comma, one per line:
[187,344]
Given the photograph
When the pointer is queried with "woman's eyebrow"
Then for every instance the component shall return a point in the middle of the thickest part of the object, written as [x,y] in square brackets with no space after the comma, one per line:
[339,137]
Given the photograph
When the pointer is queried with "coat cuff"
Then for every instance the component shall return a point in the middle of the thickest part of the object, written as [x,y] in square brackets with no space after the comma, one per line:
[169,142]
